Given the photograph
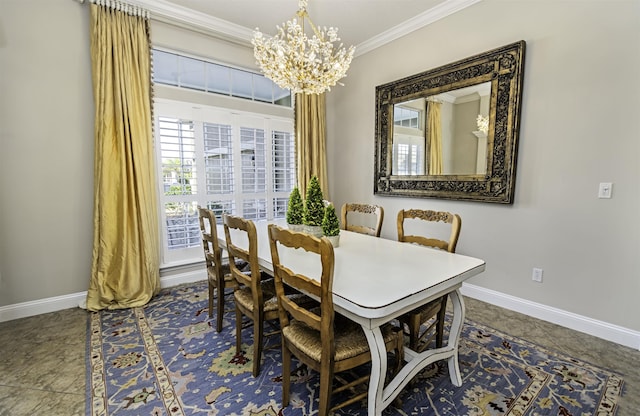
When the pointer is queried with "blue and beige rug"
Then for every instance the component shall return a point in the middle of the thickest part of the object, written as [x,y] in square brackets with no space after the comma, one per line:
[167,359]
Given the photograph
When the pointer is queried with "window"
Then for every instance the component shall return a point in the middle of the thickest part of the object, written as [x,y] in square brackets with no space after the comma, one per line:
[406,117]
[408,141]
[234,162]
[408,159]
[181,71]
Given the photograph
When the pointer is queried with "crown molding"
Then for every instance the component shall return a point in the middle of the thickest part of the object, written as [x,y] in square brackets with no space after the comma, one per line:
[167,12]
[417,22]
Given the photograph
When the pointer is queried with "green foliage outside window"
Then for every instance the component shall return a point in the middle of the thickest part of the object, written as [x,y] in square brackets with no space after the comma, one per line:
[181,184]
[177,208]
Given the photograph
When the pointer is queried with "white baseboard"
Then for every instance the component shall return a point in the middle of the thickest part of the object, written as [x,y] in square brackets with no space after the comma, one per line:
[73,300]
[600,329]
[36,307]
[604,330]
[180,278]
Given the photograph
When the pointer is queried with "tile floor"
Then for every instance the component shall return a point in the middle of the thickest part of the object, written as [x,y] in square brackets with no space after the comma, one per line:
[42,358]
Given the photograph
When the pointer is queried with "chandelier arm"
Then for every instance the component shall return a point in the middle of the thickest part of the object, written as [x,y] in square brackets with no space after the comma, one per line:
[306,16]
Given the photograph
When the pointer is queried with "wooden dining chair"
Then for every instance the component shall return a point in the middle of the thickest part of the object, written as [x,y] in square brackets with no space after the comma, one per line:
[255,297]
[218,272]
[414,320]
[320,338]
[362,218]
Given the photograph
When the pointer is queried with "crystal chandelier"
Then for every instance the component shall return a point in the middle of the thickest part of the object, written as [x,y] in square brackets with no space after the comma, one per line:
[299,63]
[483,123]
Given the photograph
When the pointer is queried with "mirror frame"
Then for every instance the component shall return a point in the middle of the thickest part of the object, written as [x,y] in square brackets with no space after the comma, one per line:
[503,67]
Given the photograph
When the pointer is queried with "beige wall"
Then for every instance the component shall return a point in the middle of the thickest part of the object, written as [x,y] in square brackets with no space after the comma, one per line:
[579,127]
[46,150]
[200,45]
[581,91]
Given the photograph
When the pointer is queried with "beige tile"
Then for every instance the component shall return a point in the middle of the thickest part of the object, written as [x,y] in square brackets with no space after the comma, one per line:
[42,364]
[42,367]
[31,402]
[67,326]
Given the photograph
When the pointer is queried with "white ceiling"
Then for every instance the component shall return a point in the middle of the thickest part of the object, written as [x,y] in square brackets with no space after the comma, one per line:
[365,24]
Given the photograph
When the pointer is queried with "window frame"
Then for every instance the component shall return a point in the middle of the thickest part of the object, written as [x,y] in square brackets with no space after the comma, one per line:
[199,114]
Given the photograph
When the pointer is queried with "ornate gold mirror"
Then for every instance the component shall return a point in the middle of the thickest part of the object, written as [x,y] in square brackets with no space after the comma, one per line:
[452,132]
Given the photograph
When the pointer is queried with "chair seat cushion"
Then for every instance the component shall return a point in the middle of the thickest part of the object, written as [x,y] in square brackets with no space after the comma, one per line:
[226,272]
[244,297]
[240,264]
[349,337]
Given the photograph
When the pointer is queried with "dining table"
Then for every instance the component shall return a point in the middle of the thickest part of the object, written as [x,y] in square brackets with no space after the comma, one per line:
[375,281]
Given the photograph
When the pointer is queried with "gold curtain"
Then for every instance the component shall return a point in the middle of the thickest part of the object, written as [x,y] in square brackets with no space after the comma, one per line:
[434,130]
[125,270]
[311,141]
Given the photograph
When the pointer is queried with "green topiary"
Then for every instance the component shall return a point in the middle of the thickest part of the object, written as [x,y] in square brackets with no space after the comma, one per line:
[295,209]
[313,205]
[330,223]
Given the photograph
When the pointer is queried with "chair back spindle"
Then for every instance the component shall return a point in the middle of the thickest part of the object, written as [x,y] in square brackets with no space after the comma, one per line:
[362,218]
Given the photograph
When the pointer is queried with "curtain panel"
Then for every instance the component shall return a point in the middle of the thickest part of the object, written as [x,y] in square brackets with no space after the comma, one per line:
[434,137]
[125,267]
[311,152]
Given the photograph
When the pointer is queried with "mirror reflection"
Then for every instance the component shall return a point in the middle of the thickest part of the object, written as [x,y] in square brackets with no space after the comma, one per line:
[452,132]
[443,134]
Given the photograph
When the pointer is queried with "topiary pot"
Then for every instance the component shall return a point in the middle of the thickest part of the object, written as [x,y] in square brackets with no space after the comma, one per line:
[334,239]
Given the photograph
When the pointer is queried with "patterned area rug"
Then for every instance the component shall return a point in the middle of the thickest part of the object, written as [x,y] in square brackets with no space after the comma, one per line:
[167,359]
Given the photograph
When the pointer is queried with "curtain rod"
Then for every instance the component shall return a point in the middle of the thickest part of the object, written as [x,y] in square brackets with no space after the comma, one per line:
[119,5]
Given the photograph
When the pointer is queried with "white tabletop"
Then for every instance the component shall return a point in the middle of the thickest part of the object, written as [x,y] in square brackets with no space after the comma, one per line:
[376,277]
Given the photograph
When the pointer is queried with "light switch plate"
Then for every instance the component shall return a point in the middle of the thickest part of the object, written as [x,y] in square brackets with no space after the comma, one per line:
[536,275]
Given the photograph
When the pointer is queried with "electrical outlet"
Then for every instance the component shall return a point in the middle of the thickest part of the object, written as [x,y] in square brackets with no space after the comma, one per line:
[605,190]
[536,276]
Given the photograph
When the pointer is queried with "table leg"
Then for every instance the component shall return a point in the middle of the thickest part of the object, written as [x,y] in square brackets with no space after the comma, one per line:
[378,370]
[454,336]
[379,396]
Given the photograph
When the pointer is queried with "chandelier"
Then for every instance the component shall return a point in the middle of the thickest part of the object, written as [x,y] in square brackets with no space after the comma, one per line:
[299,63]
